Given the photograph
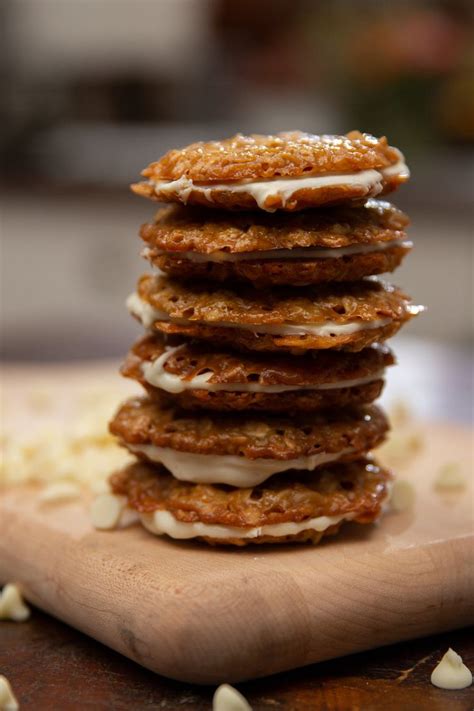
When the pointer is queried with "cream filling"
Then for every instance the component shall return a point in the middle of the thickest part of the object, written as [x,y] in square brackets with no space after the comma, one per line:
[144,311]
[228,468]
[147,314]
[284,254]
[155,374]
[163,522]
[370,181]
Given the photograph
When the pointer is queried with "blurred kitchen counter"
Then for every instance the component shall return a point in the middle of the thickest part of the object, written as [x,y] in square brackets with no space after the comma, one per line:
[70,259]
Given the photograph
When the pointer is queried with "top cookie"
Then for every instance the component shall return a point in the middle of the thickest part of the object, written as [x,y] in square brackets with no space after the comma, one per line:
[288,171]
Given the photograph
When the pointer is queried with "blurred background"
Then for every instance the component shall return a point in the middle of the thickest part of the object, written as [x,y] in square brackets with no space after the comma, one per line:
[93,90]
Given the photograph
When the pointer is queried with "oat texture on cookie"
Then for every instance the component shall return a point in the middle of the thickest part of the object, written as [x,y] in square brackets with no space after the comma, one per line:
[264,348]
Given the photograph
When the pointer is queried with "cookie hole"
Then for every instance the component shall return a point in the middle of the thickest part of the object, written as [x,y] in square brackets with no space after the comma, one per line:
[276,508]
[187,313]
[253,378]
[339,309]
[256,495]
[203,371]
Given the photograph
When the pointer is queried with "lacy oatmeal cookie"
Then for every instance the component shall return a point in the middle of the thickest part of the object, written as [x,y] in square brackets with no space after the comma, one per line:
[199,376]
[330,244]
[288,171]
[285,509]
[243,449]
[349,315]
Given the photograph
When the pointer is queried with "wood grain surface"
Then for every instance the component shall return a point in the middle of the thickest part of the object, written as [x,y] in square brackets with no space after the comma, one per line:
[203,615]
[53,666]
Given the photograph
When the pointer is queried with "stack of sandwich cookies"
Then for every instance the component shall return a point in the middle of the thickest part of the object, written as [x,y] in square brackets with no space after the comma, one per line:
[311,247]
[198,375]
[349,315]
[265,338]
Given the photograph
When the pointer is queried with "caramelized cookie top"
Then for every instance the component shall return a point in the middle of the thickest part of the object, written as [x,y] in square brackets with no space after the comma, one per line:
[367,300]
[289,171]
[256,157]
[358,487]
[177,229]
[143,421]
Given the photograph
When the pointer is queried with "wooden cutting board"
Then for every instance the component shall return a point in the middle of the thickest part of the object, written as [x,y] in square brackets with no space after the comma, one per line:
[210,615]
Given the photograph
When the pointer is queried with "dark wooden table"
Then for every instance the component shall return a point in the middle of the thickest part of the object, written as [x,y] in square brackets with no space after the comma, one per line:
[52,667]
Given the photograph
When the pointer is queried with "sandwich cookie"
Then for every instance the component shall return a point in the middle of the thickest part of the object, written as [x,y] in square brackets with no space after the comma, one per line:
[288,171]
[286,509]
[350,315]
[244,450]
[199,376]
[310,247]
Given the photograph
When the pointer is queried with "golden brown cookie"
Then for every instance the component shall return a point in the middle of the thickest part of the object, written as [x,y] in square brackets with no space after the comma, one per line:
[242,449]
[285,509]
[288,171]
[330,244]
[199,376]
[349,315]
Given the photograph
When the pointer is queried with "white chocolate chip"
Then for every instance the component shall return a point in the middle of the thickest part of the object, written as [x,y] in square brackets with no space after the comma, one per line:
[59,491]
[403,496]
[450,476]
[8,700]
[451,672]
[106,510]
[77,448]
[12,606]
[227,698]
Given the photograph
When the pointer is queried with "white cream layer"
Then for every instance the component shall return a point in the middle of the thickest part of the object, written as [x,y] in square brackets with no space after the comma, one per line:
[370,181]
[144,311]
[163,522]
[228,468]
[285,254]
[154,373]
[148,315]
